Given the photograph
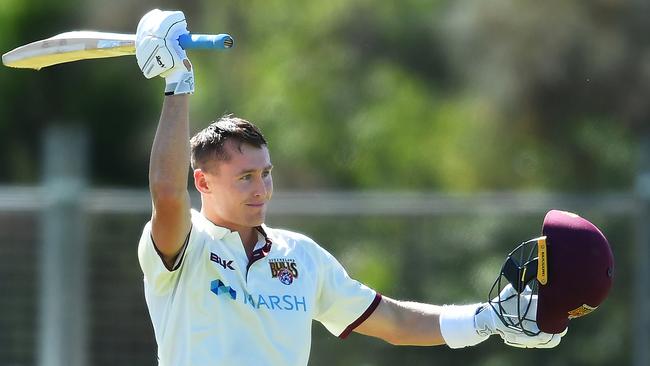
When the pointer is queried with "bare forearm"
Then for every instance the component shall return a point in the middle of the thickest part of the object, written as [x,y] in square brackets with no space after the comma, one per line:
[404,323]
[170,154]
[420,324]
[168,168]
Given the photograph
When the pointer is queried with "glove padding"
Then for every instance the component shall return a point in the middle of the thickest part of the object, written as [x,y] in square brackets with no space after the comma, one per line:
[487,322]
[158,52]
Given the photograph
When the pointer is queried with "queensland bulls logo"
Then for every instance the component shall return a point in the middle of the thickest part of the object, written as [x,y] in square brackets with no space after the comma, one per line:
[285,276]
[286,270]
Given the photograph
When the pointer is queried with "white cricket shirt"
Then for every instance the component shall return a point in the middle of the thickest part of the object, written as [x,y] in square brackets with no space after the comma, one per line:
[216,308]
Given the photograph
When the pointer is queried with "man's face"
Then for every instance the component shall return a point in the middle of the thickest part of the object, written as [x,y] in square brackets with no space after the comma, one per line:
[235,193]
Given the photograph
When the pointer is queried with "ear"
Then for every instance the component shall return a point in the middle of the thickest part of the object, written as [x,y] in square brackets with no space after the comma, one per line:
[201,182]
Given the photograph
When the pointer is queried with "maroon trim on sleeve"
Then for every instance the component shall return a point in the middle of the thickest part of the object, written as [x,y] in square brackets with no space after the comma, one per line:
[181,253]
[363,316]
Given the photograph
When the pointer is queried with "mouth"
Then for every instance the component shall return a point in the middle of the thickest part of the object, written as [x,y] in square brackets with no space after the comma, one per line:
[256,204]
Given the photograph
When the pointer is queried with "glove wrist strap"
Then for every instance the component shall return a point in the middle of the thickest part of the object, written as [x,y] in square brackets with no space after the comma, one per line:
[457,326]
[179,82]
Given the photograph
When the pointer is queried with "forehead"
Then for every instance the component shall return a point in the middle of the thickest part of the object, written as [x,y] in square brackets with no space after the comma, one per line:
[244,157]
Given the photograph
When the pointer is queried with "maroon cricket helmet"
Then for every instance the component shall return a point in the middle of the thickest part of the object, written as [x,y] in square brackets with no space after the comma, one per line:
[569,269]
[579,270]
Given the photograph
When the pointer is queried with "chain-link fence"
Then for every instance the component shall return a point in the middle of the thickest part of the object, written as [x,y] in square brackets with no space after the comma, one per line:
[424,247]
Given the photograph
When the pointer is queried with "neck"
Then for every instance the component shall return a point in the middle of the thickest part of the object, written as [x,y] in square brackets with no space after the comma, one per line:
[249,239]
[248,235]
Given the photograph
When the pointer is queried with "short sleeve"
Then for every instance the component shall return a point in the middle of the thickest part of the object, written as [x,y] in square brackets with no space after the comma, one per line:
[156,274]
[343,303]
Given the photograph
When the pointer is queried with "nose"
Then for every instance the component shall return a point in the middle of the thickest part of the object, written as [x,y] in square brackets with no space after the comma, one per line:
[260,188]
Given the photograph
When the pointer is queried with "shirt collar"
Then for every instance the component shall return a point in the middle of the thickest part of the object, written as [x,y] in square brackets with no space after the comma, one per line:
[219,232]
[216,231]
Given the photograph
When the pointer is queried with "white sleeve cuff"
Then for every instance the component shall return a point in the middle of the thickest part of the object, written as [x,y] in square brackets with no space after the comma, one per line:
[457,326]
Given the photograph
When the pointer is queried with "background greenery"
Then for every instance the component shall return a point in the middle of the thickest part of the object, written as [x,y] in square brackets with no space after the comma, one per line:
[433,95]
[439,95]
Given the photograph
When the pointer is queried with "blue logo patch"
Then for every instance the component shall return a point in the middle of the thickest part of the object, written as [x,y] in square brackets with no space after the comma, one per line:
[219,288]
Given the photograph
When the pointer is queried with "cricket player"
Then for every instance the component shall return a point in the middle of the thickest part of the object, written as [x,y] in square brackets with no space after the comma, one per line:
[223,288]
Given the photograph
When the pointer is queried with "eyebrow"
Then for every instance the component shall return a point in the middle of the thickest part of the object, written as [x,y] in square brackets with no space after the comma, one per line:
[246,171]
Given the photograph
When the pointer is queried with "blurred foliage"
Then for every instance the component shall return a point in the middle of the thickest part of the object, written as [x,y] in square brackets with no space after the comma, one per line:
[446,95]
[463,95]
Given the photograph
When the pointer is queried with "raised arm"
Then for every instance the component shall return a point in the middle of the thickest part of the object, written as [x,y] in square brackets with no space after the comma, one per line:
[168,168]
[159,54]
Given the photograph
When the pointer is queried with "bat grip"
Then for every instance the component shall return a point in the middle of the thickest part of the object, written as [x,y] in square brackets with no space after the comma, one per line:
[206,41]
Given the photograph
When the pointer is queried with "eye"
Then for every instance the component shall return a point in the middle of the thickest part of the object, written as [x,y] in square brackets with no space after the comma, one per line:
[245,177]
[266,173]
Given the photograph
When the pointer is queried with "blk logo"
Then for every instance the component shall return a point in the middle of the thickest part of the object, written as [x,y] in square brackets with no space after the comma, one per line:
[159,60]
[222,262]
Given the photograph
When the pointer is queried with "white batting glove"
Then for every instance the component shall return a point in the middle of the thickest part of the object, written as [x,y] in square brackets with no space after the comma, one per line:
[159,53]
[487,322]
[468,325]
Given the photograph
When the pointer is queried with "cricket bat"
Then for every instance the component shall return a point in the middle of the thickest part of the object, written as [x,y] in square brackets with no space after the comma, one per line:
[83,45]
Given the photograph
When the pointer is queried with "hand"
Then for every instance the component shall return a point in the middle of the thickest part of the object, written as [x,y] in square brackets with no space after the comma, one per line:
[159,53]
[487,321]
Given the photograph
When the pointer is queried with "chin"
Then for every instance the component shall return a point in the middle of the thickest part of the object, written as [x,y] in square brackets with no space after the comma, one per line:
[257,221]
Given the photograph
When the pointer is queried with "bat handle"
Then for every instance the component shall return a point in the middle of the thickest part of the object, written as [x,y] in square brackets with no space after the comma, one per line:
[206,41]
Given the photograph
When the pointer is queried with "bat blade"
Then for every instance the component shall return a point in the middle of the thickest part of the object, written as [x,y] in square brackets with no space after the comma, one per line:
[68,47]
[82,45]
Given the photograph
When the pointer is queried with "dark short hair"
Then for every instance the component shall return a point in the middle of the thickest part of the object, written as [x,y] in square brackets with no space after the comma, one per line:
[208,144]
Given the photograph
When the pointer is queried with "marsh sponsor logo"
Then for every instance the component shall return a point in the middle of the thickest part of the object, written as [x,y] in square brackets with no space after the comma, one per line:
[278,302]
